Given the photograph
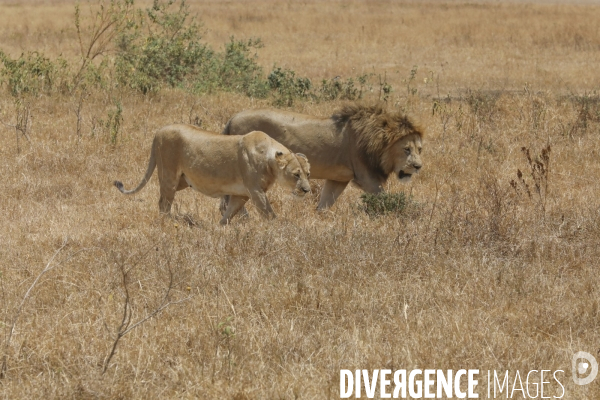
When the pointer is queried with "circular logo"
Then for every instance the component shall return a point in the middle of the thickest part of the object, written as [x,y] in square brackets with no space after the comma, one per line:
[582,362]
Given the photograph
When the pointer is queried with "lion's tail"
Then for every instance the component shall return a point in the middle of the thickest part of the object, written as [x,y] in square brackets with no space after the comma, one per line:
[145,179]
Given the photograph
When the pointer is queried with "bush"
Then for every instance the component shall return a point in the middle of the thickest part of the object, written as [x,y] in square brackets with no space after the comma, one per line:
[287,87]
[239,70]
[32,73]
[168,53]
[385,203]
[342,89]
[145,50]
[235,70]
[163,47]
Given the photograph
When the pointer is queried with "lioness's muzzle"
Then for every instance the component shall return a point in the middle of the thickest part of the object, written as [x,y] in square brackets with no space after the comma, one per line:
[300,192]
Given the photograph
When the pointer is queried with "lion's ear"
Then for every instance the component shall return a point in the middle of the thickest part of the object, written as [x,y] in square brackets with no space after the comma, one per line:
[301,155]
[281,161]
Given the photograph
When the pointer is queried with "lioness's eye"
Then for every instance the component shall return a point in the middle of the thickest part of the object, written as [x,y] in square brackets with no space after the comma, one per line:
[297,175]
[420,150]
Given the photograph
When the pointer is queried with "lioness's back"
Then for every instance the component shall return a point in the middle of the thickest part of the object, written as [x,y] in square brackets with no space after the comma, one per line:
[188,132]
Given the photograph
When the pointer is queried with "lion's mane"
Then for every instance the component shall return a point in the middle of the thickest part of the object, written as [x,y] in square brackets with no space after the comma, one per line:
[374,130]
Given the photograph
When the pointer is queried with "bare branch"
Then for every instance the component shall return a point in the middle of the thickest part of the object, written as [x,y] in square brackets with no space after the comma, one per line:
[107,24]
[125,327]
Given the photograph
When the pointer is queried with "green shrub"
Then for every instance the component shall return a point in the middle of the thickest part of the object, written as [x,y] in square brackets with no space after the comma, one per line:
[162,46]
[239,71]
[385,203]
[32,73]
[342,89]
[145,50]
[159,47]
[234,70]
[287,86]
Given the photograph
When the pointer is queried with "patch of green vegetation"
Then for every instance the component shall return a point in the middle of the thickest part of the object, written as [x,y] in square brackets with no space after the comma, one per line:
[32,73]
[287,87]
[159,47]
[234,70]
[162,46]
[383,203]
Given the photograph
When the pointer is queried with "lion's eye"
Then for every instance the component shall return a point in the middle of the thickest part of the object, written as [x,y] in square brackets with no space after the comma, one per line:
[407,150]
[420,150]
[297,175]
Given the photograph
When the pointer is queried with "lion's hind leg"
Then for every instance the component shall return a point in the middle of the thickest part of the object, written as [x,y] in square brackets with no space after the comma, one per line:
[235,204]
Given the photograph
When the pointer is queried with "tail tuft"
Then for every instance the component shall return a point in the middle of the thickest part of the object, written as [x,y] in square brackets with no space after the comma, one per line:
[119,186]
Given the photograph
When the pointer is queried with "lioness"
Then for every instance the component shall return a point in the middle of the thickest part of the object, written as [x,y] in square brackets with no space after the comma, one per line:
[240,166]
[363,144]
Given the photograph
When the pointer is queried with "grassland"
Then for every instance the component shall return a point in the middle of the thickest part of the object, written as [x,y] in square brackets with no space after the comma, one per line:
[480,274]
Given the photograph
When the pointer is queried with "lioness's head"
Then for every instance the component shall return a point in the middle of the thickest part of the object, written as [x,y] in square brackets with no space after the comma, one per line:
[294,171]
[405,155]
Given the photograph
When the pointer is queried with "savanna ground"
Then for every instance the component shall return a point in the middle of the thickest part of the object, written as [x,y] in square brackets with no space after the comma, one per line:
[477,273]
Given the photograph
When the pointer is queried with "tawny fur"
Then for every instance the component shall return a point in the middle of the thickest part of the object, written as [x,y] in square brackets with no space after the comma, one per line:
[359,143]
[375,129]
[242,167]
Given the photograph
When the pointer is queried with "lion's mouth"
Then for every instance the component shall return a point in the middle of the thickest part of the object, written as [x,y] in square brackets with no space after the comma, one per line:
[403,175]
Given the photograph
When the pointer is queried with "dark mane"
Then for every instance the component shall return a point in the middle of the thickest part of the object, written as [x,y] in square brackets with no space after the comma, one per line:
[374,130]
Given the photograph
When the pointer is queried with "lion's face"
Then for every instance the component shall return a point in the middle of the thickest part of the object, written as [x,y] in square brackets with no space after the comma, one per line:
[406,156]
[294,172]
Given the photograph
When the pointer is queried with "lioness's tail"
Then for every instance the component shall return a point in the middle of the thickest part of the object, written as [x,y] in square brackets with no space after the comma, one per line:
[145,179]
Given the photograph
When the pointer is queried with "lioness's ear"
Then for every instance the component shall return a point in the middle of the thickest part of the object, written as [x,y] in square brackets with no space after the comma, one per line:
[280,160]
[301,155]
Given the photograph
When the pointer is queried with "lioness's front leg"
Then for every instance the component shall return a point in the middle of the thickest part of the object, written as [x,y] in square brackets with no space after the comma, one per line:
[233,206]
[262,203]
[330,192]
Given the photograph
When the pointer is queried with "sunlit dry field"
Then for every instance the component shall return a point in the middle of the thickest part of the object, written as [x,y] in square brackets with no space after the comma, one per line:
[479,273]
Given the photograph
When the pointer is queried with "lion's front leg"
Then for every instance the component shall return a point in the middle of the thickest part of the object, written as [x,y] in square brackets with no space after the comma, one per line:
[233,206]
[223,206]
[262,203]
[330,192]
[369,183]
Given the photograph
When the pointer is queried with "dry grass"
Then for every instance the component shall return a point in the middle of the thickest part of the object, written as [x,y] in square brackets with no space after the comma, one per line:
[480,275]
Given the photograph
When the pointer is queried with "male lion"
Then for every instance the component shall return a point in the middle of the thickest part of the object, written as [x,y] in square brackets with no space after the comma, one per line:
[363,144]
[240,166]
